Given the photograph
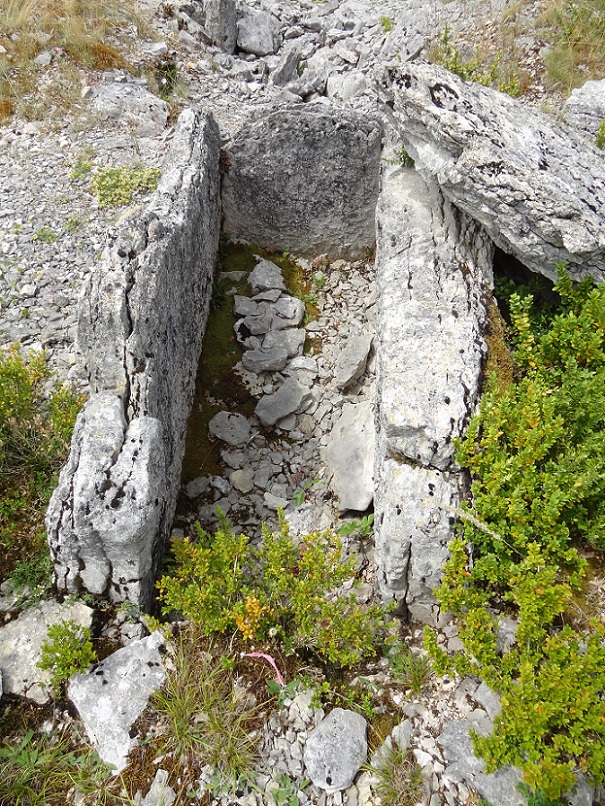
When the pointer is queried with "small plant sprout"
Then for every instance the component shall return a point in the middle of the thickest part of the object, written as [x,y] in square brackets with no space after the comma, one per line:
[387,24]
[600,137]
[45,235]
[364,527]
[299,495]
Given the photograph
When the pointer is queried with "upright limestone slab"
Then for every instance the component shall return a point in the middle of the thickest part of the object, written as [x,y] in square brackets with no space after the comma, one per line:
[536,185]
[433,264]
[304,177]
[142,319]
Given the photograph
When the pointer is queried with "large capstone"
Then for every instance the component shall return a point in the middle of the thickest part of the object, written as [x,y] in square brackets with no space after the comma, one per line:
[536,185]
[305,179]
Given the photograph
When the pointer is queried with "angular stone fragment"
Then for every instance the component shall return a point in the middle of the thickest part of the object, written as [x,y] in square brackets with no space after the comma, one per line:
[292,340]
[536,186]
[231,428]
[289,398]
[349,455]
[244,306]
[21,647]
[304,178]
[265,276]
[351,363]
[270,360]
[257,32]
[500,787]
[221,23]
[336,749]
[287,312]
[585,107]
[243,479]
[112,697]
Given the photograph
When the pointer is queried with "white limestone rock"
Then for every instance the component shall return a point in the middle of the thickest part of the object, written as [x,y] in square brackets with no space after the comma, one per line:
[257,32]
[433,264]
[349,456]
[351,362]
[142,316]
[110,698]
[21,647]
[585,107]
[536,186]
[336,749]
[413,509]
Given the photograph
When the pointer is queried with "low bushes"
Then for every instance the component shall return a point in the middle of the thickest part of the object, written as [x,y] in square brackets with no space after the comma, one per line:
[282,590]
[536,454]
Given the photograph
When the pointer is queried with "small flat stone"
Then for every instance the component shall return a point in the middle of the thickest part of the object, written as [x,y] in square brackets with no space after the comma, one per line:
[231,428]
[352,361]
[288,399]
[265,360]
[265,276]
[243,480]
[336,749]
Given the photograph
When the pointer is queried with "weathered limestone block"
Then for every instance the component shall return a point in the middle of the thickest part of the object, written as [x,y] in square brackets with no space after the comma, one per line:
[413,510]
[336,749]
[110,698]
[537,186]
[304,178]
[585,107]
[21,647]
[108,506]
[142,317]
[221,23]
[433,264]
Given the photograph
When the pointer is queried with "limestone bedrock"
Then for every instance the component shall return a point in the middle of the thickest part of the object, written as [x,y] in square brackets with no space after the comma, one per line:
[304,178]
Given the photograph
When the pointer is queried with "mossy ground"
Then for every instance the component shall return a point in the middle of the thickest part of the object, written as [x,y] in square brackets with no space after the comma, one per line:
[218,386]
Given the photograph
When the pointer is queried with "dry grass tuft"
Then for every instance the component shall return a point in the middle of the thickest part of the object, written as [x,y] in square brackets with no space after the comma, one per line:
[76,33]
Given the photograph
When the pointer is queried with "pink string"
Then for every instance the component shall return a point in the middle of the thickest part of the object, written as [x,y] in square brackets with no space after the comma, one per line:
[270,660]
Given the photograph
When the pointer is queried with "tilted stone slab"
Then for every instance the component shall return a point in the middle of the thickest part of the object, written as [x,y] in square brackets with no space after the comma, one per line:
[433,265]
[536,185]
[304,178]
[142,317]
[349,456]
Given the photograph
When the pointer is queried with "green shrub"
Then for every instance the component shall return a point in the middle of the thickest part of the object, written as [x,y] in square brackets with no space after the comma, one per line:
[536,453]
[35,426]
[491,75]
[281,590]
[67,651]
[116,186]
